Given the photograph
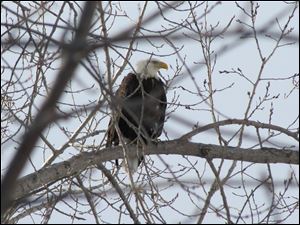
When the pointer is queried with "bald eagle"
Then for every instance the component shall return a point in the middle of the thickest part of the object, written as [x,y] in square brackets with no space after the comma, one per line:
[142,106]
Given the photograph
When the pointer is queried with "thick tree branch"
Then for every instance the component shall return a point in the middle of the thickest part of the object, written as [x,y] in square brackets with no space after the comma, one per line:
[76,164]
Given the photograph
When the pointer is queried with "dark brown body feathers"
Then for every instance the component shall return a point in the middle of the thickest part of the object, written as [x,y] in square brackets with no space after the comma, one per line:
[143,105]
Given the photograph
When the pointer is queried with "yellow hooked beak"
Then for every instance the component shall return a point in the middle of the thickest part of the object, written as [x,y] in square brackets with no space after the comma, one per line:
[163,65]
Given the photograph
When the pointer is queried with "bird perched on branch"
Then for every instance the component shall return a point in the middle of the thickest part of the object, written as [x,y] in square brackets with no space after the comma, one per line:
[141,106]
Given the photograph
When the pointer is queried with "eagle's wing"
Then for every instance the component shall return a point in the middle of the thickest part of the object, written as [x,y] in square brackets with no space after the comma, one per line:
[162,108]
[123,91]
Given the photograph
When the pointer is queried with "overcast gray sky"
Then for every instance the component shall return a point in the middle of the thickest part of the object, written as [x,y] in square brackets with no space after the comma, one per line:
[231,102]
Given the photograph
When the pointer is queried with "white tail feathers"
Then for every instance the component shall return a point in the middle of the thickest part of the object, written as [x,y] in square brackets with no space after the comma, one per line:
[132,164]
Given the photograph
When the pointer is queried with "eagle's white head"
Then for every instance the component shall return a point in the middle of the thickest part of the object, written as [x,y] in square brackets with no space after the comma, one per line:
[148,68]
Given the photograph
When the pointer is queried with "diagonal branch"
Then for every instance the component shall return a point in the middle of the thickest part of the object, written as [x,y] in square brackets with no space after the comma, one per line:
[73,54]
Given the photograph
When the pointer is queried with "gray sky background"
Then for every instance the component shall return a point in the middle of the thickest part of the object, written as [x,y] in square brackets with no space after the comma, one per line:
[231,102]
